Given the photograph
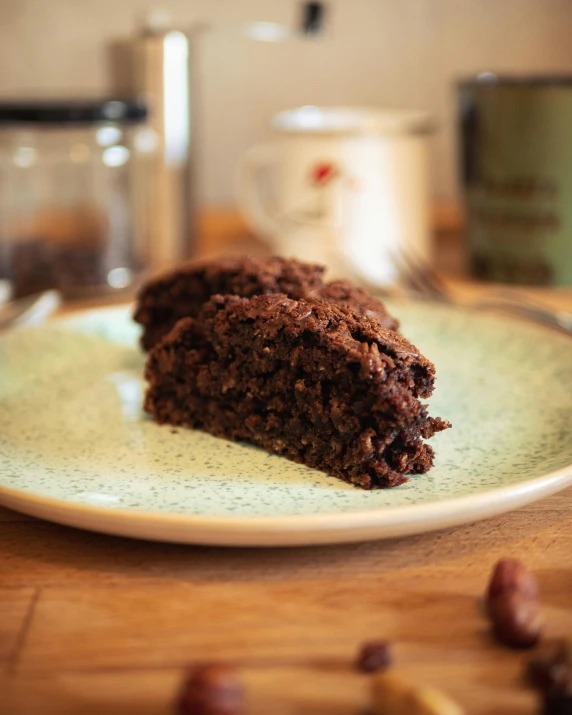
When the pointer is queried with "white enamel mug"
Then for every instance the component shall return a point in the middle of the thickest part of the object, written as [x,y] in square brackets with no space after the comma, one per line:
[346,187]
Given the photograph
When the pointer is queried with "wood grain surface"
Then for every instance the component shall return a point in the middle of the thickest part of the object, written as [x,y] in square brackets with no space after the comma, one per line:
[92,623]
[97,624]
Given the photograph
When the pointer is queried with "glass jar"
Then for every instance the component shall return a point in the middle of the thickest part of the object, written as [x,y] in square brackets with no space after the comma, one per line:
[73,192]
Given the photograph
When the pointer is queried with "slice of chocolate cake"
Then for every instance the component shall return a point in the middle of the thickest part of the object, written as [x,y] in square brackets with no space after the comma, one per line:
[181,293]
[309,380]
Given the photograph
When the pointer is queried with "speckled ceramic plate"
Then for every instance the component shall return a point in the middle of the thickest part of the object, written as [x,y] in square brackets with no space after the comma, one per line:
[75,447]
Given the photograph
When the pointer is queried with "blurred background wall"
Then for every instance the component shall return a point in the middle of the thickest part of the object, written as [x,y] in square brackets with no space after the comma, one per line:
[374,52]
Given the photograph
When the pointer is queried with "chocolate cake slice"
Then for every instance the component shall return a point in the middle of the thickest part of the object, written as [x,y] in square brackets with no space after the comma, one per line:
[181,293]
[314,382]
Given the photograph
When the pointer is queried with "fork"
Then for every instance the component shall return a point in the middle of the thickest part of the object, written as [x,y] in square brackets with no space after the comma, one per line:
[30,310]
[421,280]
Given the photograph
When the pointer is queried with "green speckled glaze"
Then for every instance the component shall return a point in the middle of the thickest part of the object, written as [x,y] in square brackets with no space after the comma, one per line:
[72,429]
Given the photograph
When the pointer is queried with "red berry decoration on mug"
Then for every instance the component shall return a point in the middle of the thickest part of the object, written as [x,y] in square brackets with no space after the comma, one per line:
[321,174]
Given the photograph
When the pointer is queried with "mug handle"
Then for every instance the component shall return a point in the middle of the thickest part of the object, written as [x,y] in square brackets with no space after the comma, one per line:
[259,217]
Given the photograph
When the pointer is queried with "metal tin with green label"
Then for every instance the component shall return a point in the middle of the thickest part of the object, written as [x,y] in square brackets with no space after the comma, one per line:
[516,142]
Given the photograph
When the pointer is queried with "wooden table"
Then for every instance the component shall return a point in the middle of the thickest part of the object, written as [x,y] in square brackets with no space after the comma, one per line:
[96,624]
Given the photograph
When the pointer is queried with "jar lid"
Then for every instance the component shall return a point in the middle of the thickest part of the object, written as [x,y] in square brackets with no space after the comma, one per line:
[492,79]
[71,111]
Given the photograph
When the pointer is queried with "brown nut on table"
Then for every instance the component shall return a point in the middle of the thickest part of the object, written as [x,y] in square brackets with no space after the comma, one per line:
[511,575]
[211,689]
[394,696]
[545,673]
[516,619]
[374,655]
[551,671]
[557,704]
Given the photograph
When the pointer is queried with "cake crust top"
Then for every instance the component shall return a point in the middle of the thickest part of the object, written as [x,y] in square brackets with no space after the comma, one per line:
[360,339]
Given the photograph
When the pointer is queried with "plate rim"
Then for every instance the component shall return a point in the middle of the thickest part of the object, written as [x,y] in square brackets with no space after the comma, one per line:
[336,527]
[281,530]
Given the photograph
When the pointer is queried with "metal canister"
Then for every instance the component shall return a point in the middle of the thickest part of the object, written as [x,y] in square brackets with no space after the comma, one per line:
[156,66]
[516,141]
